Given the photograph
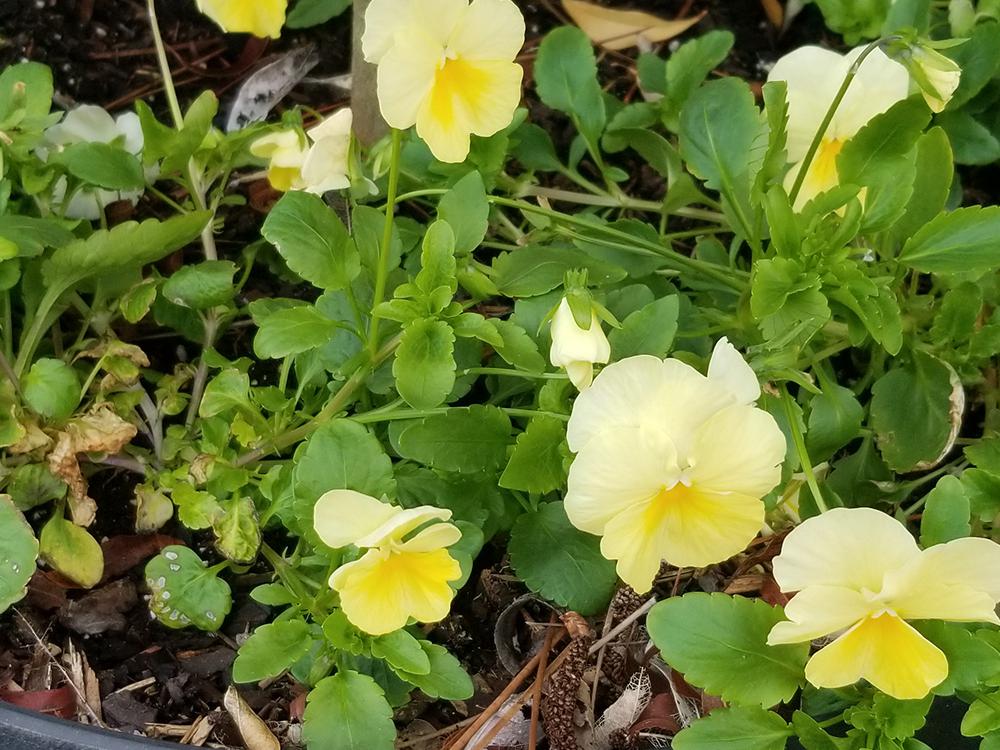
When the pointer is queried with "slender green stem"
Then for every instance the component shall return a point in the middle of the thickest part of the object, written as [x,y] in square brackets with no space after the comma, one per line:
[800,448]
[828,118]
[201,374]
[503,371]
[8,371]
[40,321]
[7,324]
[382,273]
[392,416]
[625,202]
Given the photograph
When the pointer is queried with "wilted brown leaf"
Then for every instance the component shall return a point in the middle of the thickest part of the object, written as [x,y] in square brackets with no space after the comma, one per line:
[255,733]
[621,29]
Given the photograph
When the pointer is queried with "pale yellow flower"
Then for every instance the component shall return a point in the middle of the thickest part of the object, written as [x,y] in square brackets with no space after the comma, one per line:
[263,18]
[859,574]
[321,166]
[814,75]
[937,76]
[446,66]
[577,349]
[397,578]
[671,464]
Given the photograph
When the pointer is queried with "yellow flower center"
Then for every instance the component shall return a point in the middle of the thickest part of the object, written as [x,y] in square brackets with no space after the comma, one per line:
[824,166]
[668,502]
[456,80]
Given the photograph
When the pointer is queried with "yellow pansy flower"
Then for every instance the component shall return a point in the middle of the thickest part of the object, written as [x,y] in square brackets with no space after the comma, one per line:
[577,349]
[397,578]
[317,168]
[263,18]
[446,66]
[671,464]
[860,574]
[814,75]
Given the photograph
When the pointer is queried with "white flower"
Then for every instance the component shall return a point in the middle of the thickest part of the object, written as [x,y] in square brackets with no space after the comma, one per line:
[814,75]
[575,348]
[91,124]
[936,75]
[317,168]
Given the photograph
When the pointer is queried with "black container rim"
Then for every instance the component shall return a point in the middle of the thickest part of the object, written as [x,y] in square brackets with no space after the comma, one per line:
[29,730]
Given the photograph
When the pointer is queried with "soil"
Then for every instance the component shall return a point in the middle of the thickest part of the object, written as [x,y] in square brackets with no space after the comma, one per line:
[101,52]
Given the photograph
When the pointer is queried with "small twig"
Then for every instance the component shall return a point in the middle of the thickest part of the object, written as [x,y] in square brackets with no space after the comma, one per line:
[421,738]
[536,693]
[621,627]
[80,698]
[122,462]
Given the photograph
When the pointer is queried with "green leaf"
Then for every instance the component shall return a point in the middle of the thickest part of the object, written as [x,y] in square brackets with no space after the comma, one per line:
[745,728]
[18,552]
[835,418]
[972,141]
[956,319]
[348,712]
[946,513]
[237,533]
[201,285]
[650,330]
[292,330]
[716,640]
[312,240]
[537,269]
[467,212]
[102,165]
[137,301]
[230,389]
[341,634]
[979,58]
[185,142]
[935,171]
[689,66]
[25,87]
[972,662]
[560,562]
[810,734]
[536,465]
[403,652]
[437,260]
[32,485]
[112,251]
[983,715]
[884,138]
[271,649]
[518,348]
[340,455]
[566,79]
[186,592]
[308,13]
[51,388]
[900,719]
[32,235]
[467,440]
[913,411]
[964,240]
[424,367]
[446,679]
[723,139]
[72,551]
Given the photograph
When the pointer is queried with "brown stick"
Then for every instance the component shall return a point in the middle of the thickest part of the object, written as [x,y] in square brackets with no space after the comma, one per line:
[536,693]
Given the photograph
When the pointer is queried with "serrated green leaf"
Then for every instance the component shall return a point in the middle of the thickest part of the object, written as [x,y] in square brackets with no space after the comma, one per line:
[467,440]
[313,241]
[237,533]
[102,165]
[746,728]
[689,66]
[566,78]
[424,366]
[560,562]
[32,485]
[518,348]
[292,330]
[467,212]
[835,418]
[18,552]
[716,640]
[445,679]
[271,649]
[201,285]
[348,711]
[402,651]
[537,269]
[972,662]
[964,240]
[946,513]
[935,171]
[650,330]
[536,464]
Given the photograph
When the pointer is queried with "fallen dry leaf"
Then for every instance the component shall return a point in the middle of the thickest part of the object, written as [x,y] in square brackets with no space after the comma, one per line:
[253,730]
[102,610]
[124,552]
[621,29]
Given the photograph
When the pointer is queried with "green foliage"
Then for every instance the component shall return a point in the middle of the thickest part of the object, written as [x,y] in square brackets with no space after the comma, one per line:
[536,463]
[271,650]
[348,711]
[18,552]
[52,388]
[71,550]
[185,591]
[560,562]
[745,727]
[566,79]
[467,440]
[717,640]
[306,13]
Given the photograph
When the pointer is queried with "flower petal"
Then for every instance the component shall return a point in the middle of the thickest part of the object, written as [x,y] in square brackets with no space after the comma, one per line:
[684,527]
[813,75]
[405,78]
[262,18]
[436,536]
[401,523]
[489,30]
[338,125]
[850,547]
[388,21]
[955,581]
[615,471]
[819,611]
[87,123]
[880,83]
[325,166]
[570,343]
[887,652]
[738,449]
[341,517]
[648,392]
[581,374]
[728,367]
[381,591]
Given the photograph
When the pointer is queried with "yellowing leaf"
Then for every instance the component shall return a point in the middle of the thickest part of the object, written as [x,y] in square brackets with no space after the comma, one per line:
[621,29]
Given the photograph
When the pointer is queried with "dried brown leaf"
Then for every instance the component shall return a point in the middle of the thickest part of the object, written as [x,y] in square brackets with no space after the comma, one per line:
[255,733]
[621,29]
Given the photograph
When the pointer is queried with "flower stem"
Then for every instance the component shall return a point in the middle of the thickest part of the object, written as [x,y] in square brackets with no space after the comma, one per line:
[800,448]
[382,272]
[828,118]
